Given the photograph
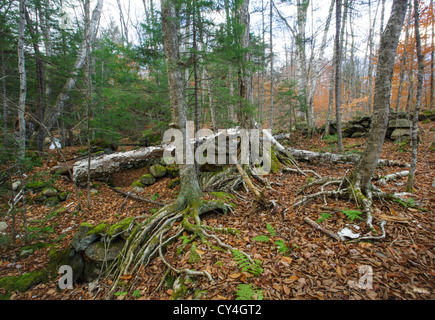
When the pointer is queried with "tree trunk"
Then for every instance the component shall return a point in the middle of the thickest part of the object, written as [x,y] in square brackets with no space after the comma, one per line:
[338,54]
[271,67]
[5,101]
[414,137]
[51,117]
[363,172]
[190,189]
[432,61]
[245,114]
[23,84]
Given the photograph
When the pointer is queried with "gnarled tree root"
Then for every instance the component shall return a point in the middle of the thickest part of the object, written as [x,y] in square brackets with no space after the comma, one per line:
[351,191]
[150,238]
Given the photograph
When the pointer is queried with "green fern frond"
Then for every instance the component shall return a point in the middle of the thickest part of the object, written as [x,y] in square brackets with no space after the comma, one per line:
[247,292]
[271,230]
[352,214]
[246,265]
[262,238]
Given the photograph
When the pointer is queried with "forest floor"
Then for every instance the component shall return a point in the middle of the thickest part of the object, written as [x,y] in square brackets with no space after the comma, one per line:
[315,266]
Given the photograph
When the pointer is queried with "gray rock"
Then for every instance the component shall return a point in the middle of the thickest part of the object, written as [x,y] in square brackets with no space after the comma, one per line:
[147,179]
[399,123]
[49,192]
[16,185]
[359,135]
[399,133]
[97,251]
[3,226]
[82,240]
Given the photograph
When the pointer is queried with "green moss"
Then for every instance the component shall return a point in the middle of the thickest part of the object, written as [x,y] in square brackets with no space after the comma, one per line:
[99,229]
[275,164]
[147,179]
[174,183]
[36,185]
[222,195]
[194,256]
[63,196]
[23,282]
[120,226]
[51,202]
[158,170]
[138,184]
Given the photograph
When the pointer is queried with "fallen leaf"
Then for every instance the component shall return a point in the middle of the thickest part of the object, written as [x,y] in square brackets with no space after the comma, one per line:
[235,275]
[287,259]
[199,252]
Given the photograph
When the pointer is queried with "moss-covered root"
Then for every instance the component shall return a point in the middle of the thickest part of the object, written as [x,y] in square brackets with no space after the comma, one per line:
[149,239]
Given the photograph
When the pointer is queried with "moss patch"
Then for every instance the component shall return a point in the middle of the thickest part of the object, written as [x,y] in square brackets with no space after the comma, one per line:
[119,227]
[24,282]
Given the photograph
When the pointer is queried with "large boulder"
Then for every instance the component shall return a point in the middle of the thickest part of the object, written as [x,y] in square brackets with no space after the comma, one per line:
[101,252]
[400,133]
[399,123]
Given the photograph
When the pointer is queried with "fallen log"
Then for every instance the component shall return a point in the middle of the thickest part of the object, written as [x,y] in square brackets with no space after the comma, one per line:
[327,157]
[105,165]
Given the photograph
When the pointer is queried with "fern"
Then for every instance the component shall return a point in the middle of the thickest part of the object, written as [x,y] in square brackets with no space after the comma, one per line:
[352,214]
[262,238]
[282,246]
[271,230]
[247,292]
[246,265]
[323,217]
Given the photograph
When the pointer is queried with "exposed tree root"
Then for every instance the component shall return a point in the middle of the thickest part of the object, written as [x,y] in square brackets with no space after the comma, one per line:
[150,238]
[351,191]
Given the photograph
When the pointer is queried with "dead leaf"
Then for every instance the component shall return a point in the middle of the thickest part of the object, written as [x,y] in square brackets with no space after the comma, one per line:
[287,259]
[235,275]
[200,252]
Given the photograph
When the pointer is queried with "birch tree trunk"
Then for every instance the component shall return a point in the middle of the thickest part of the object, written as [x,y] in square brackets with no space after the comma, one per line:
[414,137]
[271,66]
[338,53]
[363,172]
[23,84]
[50,118]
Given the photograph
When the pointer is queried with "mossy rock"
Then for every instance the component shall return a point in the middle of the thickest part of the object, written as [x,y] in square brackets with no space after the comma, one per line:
[100,229]
[167,161]
[158,171]
[36,186]
[137,184]
[82,239]
[147,179]
[119,227]
[63,196]
[51,202]
[173,171]
[49,192]
[39,199]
